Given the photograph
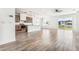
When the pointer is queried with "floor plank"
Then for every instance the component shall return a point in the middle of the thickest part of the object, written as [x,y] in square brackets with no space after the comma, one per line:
[45,40]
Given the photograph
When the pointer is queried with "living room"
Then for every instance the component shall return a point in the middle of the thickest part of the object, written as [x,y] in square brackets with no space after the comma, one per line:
[38,29]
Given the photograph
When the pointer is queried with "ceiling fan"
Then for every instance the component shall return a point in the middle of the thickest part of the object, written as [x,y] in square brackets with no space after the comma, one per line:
[58,10]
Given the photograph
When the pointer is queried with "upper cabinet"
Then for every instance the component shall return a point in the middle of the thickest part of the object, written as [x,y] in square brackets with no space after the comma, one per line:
[23,17]
[26,18]
[30,19]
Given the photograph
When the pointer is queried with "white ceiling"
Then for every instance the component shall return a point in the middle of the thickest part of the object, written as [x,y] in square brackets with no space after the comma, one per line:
[46,11]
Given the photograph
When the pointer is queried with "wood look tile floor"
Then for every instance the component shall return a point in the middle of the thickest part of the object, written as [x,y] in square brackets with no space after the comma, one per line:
[44,40]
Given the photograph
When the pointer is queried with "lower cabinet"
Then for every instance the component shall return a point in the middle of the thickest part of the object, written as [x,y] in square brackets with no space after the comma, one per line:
[21,28]
[33,28]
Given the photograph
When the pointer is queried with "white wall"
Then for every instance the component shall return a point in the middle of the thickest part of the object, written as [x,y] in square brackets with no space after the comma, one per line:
[7,25]
[52,22]
[77,22]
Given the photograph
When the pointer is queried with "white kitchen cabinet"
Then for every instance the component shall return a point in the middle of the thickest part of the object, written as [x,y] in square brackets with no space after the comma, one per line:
[34,28]
[37,20]
[7,25]
[23,17]
[36,24]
